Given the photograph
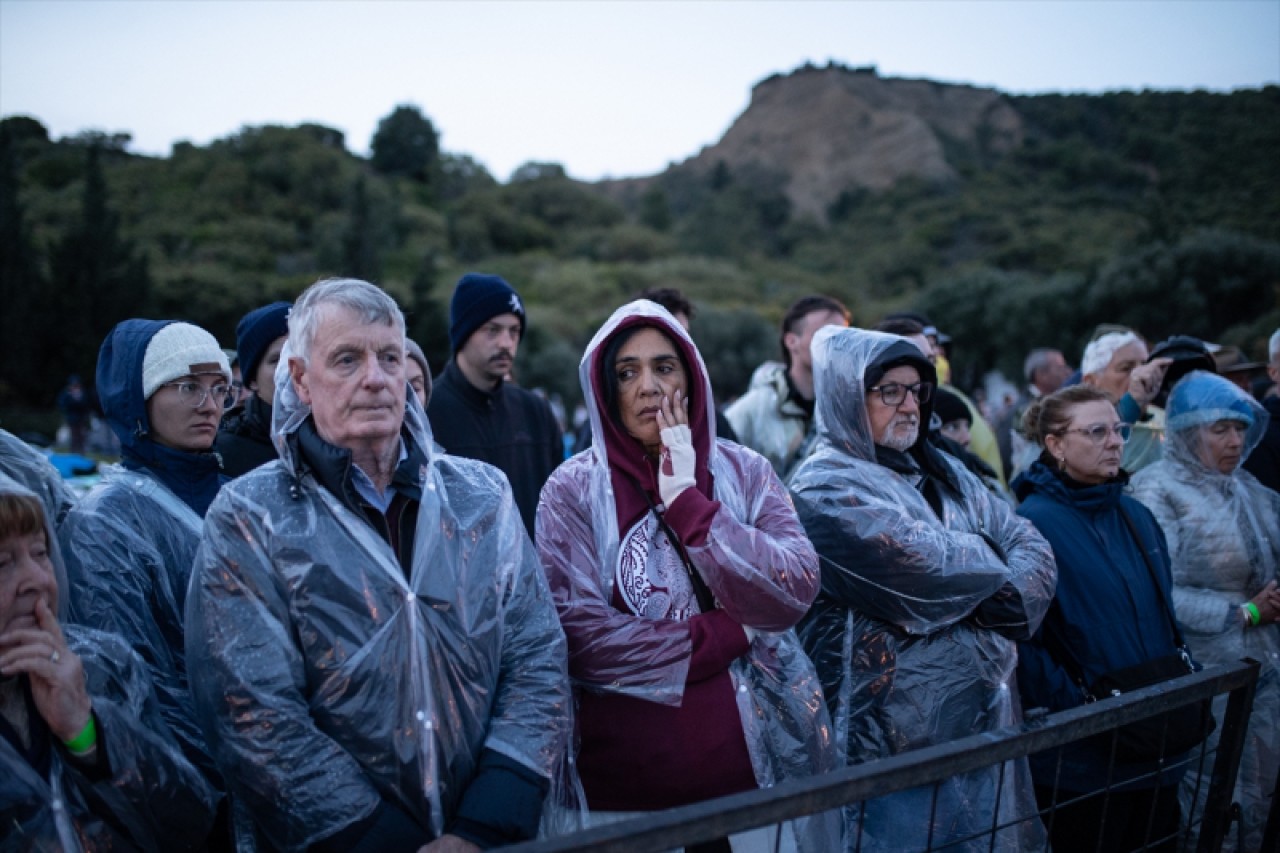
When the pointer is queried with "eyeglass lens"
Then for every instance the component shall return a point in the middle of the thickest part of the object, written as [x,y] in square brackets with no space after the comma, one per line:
[1099,432]
[893,393]
[193,394]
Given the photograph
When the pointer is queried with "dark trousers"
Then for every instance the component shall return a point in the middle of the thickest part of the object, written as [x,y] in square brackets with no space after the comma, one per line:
[1112,822]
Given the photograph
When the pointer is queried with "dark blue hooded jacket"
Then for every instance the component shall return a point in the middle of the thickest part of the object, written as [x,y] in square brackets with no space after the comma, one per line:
[129,544]
[1107,610]
[193,477]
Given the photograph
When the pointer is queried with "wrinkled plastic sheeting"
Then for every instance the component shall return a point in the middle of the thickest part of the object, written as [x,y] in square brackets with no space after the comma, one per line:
[1223,533]
[158,799]
[328,681]
[914,632]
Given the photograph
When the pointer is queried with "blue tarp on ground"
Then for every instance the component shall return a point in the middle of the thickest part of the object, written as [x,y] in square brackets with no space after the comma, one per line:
[73,464]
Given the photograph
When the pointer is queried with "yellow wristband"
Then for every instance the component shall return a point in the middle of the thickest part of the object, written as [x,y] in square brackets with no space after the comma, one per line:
[1251,610]
[86,740]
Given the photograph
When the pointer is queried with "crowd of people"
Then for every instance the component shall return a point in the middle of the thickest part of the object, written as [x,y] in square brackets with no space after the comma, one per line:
[359,607]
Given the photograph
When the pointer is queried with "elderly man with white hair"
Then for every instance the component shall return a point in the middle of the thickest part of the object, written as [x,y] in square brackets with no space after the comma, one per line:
[1117,364]
[1264,461]
[374,654]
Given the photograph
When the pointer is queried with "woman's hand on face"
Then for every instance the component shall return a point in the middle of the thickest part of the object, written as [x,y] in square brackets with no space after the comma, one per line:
[678,459]
[55,672]
[673,411]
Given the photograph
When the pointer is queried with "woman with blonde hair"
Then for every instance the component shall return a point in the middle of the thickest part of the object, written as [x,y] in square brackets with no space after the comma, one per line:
[1112,611]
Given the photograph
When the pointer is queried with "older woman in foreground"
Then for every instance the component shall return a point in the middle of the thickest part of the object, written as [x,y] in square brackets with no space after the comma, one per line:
[88,762]
[1223,528]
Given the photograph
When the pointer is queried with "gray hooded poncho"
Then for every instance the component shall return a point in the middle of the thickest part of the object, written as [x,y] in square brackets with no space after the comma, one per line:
[928,581]
[1223,532]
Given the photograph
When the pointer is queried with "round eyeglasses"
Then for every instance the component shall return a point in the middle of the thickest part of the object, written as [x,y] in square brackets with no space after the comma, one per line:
[1098,432]
[193,393]
[893,393]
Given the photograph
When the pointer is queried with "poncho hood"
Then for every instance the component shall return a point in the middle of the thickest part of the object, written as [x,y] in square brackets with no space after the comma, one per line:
[845,363]
[615,449]
[1200,399]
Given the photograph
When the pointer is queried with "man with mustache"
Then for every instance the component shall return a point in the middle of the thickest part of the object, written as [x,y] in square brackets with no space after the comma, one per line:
[928,582]
[476,410]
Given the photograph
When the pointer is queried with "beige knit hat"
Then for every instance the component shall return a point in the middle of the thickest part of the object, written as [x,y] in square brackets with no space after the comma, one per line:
[177,350]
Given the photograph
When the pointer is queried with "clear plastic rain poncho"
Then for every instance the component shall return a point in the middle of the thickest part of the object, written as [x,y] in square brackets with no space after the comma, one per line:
[151,798]
[30,468]
[129,544]
[328,682]
[914,630]
[1223,532]
[755,560]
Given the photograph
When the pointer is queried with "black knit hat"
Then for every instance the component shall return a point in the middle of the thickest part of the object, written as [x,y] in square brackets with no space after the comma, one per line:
[476,298]
[1185,354]
[950,408]
[255,332]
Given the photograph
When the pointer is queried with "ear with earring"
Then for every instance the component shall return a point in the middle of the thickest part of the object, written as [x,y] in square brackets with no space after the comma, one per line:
[1062,463]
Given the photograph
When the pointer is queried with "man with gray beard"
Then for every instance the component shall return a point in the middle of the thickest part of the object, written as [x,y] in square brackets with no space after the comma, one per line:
[928,582]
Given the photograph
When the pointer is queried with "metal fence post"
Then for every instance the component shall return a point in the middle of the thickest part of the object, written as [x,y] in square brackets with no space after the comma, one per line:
[1271,838]
[1226,764]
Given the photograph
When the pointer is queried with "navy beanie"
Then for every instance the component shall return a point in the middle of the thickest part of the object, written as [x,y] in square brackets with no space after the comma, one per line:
[476,298]
[255,332]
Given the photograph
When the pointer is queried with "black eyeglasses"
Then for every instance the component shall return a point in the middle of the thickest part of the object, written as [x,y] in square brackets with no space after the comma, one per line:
[193,393]
[1098,432]
[893,393]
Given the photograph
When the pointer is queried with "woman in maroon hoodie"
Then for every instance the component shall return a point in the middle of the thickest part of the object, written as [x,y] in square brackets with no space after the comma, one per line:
[678,568]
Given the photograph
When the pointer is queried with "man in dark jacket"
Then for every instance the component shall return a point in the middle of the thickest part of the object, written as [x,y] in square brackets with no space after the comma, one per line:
[475,409]
[375,657]
[245,440]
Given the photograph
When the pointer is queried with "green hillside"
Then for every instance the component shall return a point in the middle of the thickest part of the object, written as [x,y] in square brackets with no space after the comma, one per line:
[1158,210]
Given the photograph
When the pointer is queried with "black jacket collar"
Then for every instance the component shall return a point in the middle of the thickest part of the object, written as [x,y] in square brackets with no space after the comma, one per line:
[333,466]
[470,394]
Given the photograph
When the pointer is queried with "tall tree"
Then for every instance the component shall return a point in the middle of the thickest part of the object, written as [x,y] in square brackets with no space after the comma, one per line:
[360,257]
[97,276]
[428,318]
[406,143]
[23,327]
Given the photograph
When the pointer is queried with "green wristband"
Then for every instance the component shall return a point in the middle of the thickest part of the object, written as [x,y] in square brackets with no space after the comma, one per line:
[86,740]
[1252,609]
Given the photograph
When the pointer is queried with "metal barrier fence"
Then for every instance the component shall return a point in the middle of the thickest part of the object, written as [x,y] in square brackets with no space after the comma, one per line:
[713,819]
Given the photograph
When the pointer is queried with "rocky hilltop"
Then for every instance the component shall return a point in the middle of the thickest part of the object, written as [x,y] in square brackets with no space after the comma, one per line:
[833,129]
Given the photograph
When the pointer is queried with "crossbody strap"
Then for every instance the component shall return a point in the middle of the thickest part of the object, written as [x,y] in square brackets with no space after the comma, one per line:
[706,599]
[1151,570]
